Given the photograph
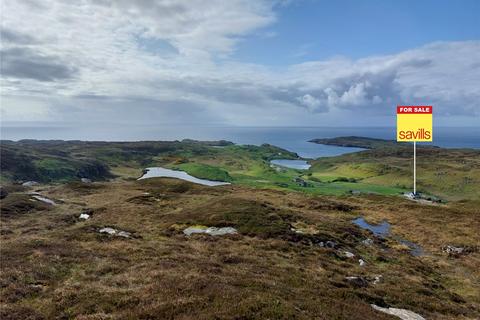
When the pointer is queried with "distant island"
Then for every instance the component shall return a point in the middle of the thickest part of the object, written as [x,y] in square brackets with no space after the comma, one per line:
[356,142]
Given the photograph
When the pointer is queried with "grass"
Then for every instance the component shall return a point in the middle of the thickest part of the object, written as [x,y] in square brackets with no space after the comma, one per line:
[452,174]
[56,266]
[204,171]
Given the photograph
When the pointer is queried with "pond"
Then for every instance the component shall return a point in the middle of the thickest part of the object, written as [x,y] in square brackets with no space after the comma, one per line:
[156,172]
[382,230]
[292,164]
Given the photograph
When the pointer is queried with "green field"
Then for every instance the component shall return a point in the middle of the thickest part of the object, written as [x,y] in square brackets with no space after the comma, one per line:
[451,174]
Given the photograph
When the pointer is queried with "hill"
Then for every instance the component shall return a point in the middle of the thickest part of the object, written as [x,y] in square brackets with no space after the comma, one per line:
[452,174]
[294,255]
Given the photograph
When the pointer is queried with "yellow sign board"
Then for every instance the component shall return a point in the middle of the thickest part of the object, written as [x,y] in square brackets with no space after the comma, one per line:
[414,123]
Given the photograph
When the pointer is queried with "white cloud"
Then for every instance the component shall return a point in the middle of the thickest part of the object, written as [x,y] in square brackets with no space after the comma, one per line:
[116,59]
[310,102]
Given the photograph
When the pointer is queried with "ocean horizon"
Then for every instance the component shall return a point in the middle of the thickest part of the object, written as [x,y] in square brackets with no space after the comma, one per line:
[291,138]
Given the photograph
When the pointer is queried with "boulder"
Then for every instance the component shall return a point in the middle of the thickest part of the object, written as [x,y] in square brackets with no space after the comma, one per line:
[367,242]
[44,200]
[30,183]
[84,216]
[211,230]
[108,230]
[400,313]
[456,251]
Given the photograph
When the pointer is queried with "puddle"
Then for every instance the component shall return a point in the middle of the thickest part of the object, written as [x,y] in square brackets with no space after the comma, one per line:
[382,230]
[292,164]
[159,172]
[415,249]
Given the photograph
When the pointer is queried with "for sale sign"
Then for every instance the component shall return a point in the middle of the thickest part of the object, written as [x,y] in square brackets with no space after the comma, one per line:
[414,123]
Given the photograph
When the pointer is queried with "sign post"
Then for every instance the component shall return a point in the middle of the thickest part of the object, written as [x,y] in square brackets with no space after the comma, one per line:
[414,123]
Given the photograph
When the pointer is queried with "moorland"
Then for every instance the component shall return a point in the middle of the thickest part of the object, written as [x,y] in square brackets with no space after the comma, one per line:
[295,255]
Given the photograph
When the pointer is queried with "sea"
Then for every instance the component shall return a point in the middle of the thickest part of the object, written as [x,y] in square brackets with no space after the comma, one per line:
[291,138]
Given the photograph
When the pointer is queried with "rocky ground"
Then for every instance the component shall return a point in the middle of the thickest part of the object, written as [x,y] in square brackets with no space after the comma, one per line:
[165,248]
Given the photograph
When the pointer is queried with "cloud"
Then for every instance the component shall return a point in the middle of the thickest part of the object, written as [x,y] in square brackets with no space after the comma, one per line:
[26,63]
[12,36]
[122,60]
[310,102]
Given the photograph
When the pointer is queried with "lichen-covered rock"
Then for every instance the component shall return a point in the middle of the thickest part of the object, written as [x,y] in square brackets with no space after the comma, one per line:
[44,200]
[115,232]
[453,250]
[211,230]
[400,313]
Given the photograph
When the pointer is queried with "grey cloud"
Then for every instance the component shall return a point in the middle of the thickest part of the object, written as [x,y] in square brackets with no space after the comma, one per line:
[243,93]
[132,110]
[14,37]
[21,62]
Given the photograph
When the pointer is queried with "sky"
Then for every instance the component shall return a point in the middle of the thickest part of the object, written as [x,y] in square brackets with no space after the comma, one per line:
[239,62]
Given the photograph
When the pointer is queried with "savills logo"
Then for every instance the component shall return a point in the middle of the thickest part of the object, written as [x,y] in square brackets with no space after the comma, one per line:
[420,134]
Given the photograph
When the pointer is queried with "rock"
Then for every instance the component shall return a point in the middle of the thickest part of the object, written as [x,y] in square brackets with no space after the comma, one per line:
[367,242]
[327,244]
[361,262]
[359,282]
[84,216]
[86,180]
[108,230]
[211,231]
[115,232]
[453,251]
[330,244]
[44,200]
[30,183]
[296,230]
[124,234]
[400,313]
[348,254]
[220,231]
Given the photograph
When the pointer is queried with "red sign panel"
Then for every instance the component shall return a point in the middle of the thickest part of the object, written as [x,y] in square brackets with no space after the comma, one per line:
[414,109]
